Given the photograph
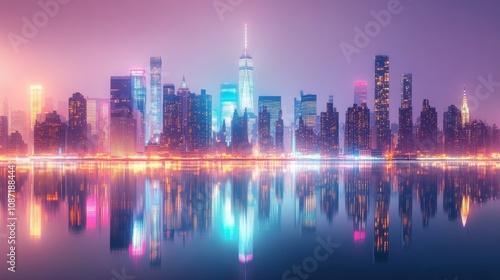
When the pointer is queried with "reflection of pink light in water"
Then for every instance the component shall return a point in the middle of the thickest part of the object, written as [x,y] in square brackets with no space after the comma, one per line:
[105,213]
[359,235]
[245,259]
[91,212]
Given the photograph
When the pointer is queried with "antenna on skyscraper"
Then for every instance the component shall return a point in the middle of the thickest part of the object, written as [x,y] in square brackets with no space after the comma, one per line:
[246,38]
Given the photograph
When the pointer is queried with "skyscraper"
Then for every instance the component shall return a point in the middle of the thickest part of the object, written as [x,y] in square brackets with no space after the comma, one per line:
[123,134]
[138,80]
[427,136]
[49,135]
[35,104]
[155,115]
[239,134]
[273,107]
[304,138]
[329,141]
[308,109]
[228,103]
[405,140]
[357,131]
[172,137]
[184,92]
[265,138]
[280,134]
[98,123]
[77,125]
[245,83]
[199,128]
[452,128]
[382,122]
[19,122]
[465,110]
[360,92]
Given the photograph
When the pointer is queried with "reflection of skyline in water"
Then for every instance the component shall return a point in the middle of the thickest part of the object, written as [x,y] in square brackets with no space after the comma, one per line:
[147,204]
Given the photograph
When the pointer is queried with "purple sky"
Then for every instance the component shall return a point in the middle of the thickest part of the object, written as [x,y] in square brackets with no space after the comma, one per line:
[295,44]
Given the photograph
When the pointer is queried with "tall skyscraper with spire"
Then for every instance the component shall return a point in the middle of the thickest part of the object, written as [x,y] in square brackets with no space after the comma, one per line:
[465,110]
[245,84]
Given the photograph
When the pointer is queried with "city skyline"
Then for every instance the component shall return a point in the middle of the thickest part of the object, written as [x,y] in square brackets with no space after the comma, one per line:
[441,83]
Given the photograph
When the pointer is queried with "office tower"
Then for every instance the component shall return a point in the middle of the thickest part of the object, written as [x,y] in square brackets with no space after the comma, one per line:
[215,120]
[296,111]
[273,106]
[357,131]
[138,81]
[279,134]
[48,106]
[245,82]
[77,125]
[476,137]
[172,138]
[304,138]
[427,136]
[361,92]
[16,145]
[382,122]
[155,126]
[329,132]
[98,123]
[49,136]
[239,134]
[123,134]
[308,109]
[184,92]
[465,110]
[228,103]
[35,104]
[452,128]
[405,135]
[4,133]
[265,138]
[199,126]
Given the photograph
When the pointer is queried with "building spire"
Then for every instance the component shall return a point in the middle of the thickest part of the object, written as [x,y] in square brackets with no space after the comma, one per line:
[183,83]
[246,39]
[465,109]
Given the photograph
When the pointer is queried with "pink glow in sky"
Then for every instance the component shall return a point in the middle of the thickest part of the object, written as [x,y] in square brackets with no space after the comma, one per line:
[295,45]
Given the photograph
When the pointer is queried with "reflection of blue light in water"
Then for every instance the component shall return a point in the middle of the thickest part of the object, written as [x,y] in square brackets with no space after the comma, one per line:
[154,198]
[228,222]
[246,228]
[138,239]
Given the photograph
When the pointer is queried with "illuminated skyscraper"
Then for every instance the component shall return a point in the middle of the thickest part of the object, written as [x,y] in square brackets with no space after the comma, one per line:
[155,111]
[265,138]
[273,105]
[357,131]
[427,136]
[452,128]
[280,134]
[228,103]
[4,133]
[19,122]
[122,123]
[199,127]
[405,140]
[329,141]
[465,110]
[98,123]
[49,136]
[308,109]
[361,92]
[239,134]
[245,82]
[138,80]
[184,92]
[172,138]
[35,104]
[77,125]
[382,122]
